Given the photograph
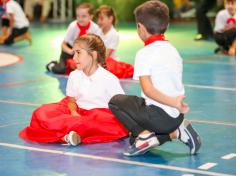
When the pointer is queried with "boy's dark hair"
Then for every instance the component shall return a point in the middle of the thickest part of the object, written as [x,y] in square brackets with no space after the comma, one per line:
[108,11]
[88,6]
[154,15]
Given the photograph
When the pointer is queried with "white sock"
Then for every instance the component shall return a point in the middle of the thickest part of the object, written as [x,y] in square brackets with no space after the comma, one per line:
[50,66]
[152,140]
[183,136]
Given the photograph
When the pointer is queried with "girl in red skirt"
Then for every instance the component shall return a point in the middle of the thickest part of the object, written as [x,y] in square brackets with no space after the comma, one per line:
[106,20]
[83,115]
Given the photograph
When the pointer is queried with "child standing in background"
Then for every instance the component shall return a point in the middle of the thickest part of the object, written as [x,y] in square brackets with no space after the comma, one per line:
[83,116]
[82,25]
[15,25]
[225,27]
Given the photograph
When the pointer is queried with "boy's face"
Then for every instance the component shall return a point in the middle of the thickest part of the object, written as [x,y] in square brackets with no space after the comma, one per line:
[104,21]
[231,7]
[83,17]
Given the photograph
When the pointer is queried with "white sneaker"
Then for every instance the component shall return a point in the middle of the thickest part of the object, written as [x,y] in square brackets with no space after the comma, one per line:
[72,138]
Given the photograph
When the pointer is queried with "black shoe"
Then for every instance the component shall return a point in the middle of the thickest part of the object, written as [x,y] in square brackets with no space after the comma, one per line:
[50,65]
[189,136]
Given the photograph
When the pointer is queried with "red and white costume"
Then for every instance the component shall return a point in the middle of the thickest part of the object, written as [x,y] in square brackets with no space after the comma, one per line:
[51,122]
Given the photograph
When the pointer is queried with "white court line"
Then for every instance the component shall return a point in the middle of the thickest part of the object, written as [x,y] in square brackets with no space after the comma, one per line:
[214,122]
[190,85]
[197,121]
[229,156]
[18,103]
[11,124]
[122,161]
[207,166]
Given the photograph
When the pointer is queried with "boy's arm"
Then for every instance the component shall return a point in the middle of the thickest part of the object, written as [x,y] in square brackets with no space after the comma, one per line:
[73,106]
[11,20]
[66,49]
[153,93]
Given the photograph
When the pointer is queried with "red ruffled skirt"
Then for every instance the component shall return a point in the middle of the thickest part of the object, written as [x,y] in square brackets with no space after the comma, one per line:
[118,68]
[51,122]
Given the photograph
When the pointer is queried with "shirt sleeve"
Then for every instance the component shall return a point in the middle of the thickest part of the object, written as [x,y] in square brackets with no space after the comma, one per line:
[69,33]
[9,9]
[219,22]
[70,88]
[141,65]
[115,88]
[113,42]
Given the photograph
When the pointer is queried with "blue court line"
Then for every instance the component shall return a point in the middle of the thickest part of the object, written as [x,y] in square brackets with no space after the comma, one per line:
[195,121]
[159,166]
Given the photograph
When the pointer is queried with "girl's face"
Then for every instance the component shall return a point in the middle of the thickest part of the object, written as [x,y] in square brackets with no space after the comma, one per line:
[83,17]
[82,58]
[231,7]
[104,21]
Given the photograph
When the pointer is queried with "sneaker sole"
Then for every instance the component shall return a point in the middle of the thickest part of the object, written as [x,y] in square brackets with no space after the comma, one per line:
[194,137]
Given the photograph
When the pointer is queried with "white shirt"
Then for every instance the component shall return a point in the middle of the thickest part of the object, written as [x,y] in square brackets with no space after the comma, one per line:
[111,40]
[162,62]
[94,91]
[221,20]
[73,31]
[20,20]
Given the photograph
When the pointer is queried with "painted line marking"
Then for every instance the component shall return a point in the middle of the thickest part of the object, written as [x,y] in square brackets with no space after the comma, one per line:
[122,161]
[18,103]
[189,85]
[214,122]
[11,124]
[229,156]
[207,166]
[195,121]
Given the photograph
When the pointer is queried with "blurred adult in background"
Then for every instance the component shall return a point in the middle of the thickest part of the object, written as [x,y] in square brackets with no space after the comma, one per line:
[29,6]
[204,27]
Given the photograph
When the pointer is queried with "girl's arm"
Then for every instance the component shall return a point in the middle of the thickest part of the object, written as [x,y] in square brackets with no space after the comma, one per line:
[73,106]
[66,49]
[109,52]
[11,21]
[153,93]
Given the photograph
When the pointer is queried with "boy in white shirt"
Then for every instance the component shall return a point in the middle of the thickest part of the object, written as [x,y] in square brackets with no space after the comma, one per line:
[82,25]
[18,24]
[157,117]
[225,27]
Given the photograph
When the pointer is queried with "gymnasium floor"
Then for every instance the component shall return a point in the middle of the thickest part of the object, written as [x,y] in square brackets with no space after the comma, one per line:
[211,93]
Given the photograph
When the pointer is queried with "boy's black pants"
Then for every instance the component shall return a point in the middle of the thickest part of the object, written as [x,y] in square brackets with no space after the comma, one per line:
[136,116]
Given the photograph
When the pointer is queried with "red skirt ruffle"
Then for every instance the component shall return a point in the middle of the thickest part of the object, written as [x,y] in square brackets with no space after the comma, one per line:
[118,68]
[51,122]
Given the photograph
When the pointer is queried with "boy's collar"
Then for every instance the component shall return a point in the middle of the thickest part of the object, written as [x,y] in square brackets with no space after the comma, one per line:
[153,38]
